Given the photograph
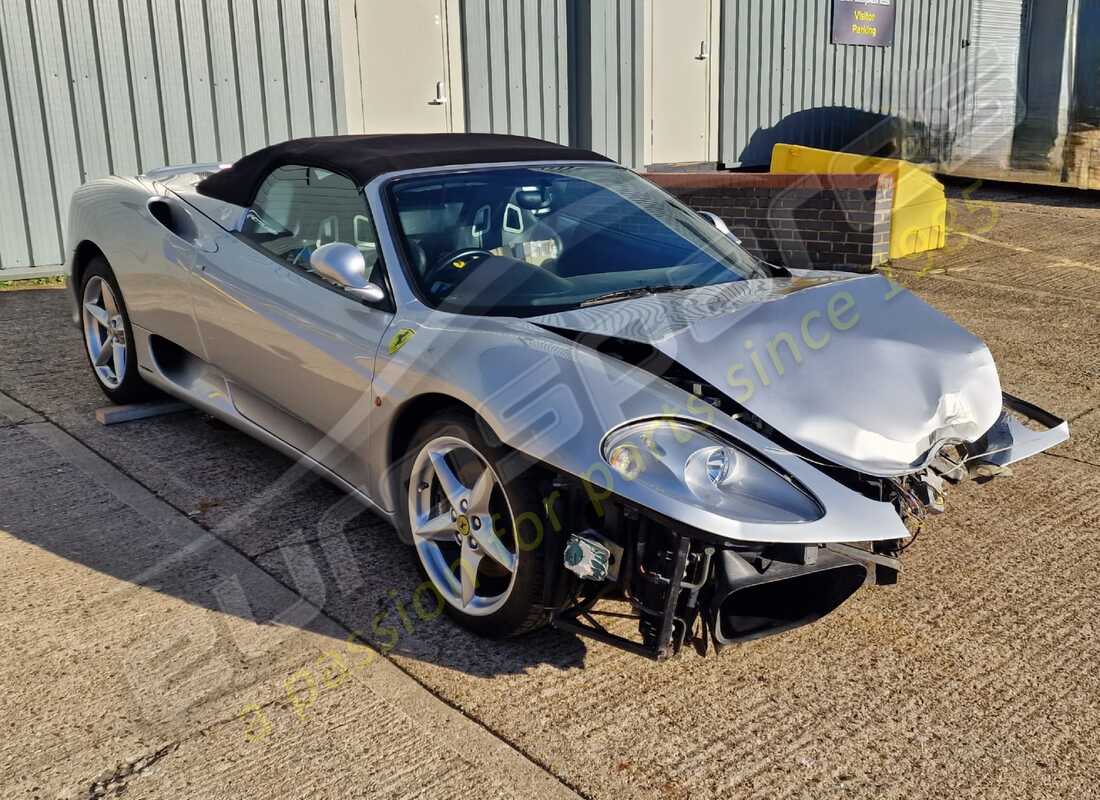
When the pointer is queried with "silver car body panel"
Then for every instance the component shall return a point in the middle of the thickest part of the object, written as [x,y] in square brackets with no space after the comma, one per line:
[206,388]
[181,181]
[1010,440]
[153,266]
[304,367]
[860,371]
[546,397]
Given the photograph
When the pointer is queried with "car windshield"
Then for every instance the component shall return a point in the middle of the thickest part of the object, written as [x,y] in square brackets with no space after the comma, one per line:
[524,241]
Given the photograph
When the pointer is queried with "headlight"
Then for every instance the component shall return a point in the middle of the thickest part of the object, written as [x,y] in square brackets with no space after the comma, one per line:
[697,466]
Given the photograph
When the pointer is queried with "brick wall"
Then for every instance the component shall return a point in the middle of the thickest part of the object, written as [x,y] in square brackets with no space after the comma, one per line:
[840,221]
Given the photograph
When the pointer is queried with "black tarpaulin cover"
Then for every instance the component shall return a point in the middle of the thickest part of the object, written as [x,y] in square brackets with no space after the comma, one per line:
[364,157]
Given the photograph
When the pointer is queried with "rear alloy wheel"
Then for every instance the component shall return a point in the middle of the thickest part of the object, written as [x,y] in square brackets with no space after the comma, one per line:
[108,336]
[104,333]
[462,516]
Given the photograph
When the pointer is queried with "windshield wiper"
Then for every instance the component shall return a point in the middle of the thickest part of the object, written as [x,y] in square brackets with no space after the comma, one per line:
[629,294]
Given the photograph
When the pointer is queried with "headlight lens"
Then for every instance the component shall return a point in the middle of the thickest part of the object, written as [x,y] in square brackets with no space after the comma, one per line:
[697,466]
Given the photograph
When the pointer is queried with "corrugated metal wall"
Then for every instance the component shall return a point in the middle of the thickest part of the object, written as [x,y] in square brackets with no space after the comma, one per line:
[610,89]
[1087,66]
[994,59]
[516,67]
[782,80]
[1033,68]
[565,70]
[92,88]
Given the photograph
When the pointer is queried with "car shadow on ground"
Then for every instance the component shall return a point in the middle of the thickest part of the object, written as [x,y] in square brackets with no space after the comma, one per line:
[364,577]
[295,527]
[358,574]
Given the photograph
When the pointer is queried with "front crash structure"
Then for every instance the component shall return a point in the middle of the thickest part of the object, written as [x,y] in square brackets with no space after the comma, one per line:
[689,587]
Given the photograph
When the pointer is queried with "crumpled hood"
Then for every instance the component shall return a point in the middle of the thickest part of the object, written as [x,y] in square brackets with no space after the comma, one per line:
[857,370]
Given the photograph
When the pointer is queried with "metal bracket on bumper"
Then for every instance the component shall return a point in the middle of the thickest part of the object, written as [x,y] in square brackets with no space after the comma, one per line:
[868,557]
[1009,440]
[672,631]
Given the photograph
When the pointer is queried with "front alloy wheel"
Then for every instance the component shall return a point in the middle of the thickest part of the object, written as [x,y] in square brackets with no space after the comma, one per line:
[463,520]
[462,526]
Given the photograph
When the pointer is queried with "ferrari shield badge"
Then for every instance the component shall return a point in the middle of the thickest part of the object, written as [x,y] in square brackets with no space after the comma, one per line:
[399,339]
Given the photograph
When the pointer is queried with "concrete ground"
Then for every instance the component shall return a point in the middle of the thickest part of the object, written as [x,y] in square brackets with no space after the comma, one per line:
[179,601]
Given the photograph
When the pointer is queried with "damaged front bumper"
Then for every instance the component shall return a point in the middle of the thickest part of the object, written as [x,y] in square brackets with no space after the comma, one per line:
[1011,439]
[690,591]
[690,587]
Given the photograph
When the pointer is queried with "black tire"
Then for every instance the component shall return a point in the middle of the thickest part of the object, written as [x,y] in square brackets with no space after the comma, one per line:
[131,389]
[523,611]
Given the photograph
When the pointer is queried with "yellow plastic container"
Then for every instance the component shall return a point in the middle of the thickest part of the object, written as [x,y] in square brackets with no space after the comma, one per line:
[918,221]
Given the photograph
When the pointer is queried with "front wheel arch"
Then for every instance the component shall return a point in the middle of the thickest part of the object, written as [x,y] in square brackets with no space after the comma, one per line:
[408,418]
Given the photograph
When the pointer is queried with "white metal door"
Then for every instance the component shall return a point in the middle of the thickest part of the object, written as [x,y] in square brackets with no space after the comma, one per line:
[404,66]
[683,50]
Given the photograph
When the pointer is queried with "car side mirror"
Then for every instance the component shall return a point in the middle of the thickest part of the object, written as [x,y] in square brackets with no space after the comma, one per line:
[720,224]
[345,266]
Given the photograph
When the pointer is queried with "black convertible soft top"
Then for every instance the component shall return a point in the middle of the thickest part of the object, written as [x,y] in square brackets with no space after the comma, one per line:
[364,157]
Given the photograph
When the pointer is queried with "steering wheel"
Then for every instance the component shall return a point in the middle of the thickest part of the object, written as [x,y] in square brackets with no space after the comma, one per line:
[458,262]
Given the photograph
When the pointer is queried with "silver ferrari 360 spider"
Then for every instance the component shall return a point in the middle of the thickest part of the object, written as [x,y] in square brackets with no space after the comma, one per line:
[563,387]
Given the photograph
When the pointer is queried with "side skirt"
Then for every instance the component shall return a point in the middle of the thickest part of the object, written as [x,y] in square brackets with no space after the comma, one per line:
[203,386]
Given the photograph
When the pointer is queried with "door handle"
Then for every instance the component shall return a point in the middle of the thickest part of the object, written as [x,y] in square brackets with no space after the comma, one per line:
[440,98]
[703,54]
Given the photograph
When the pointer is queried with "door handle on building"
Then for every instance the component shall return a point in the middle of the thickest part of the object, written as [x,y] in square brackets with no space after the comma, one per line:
[703,54]
[440,98]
